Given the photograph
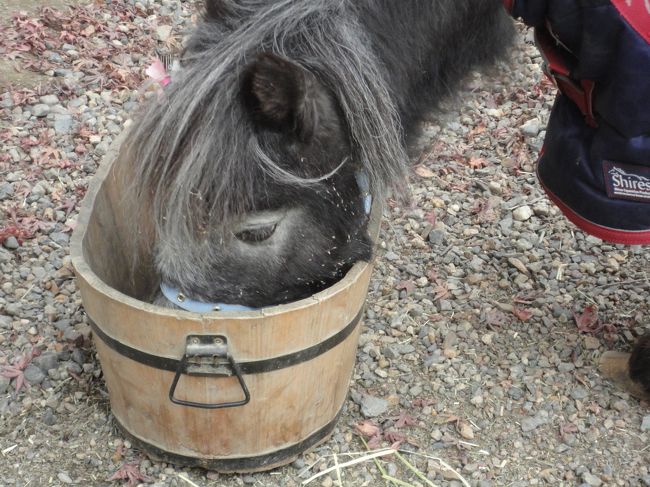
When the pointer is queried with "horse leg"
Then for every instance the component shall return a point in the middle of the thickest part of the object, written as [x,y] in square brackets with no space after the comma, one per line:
[630,371]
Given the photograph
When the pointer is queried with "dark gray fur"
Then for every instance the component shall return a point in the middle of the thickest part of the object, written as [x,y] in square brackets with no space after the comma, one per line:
[204,159]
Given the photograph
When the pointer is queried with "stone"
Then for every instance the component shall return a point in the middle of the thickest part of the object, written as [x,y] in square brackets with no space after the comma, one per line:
[591,479]
[592,343]
[4,384]
[534,422]
[62,325]
[11,243]
[6,101]
[5,322]
[64,477]
[371,406]
[645,424]
[49,99]
[60,238]
[6,190]
[33,374]
[163,32]
[63,124]
[579,392]
[48,417]
[47,361]
[532,127]
[5,255]
[522,213]
[437,236]
[40,110]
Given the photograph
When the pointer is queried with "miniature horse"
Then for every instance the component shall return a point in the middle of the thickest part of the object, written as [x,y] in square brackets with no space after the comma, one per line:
[257,161]
[283,114]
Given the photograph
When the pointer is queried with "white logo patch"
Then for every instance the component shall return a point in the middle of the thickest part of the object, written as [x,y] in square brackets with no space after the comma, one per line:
[624,181]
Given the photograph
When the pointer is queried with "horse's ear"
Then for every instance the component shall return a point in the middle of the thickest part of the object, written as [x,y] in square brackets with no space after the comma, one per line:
[283,95]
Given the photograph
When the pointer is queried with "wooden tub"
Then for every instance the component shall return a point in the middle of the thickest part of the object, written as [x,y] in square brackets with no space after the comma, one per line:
[228,391]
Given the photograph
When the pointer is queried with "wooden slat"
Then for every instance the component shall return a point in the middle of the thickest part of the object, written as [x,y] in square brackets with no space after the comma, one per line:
[286,405]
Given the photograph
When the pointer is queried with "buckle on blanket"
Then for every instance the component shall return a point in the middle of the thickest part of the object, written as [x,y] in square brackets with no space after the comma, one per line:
[556,67]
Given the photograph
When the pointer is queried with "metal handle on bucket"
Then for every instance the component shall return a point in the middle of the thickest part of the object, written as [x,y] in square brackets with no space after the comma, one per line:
[207,355]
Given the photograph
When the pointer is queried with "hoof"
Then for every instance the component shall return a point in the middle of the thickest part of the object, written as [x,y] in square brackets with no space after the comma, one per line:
[615,367]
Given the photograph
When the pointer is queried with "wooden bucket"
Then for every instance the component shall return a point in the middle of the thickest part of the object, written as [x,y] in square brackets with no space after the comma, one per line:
[227,391]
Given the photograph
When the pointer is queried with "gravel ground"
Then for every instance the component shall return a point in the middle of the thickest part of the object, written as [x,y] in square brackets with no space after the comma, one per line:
[486,314]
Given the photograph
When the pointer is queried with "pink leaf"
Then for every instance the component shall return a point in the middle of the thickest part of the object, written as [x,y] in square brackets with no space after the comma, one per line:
[368,429]
[587,321]
[131,473]
[522,313]
[408,286]
[405,420]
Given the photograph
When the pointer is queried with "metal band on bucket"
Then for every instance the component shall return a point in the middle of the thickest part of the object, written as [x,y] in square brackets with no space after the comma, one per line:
[252,367]
[236,464]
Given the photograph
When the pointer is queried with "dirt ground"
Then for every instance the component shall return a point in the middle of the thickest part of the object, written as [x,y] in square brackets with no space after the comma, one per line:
[10,72]
[486,316]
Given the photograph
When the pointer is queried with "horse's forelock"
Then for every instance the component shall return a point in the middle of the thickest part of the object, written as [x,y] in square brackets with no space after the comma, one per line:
[198,145]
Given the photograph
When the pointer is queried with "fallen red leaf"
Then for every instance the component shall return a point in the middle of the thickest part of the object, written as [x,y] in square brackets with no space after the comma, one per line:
[477,162]
[374,442]
[522,313]
[368,429]
[394,437]
[422,403]
[16,371]
[408,286]
[405,420]
[131,473]
[587,321]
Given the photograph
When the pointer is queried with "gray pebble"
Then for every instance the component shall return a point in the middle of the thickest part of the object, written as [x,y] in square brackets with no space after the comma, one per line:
[63,124]
[73,367]
[4,384]
[645,424]
[5,255]
[532,423]
[371,406]
[11,243]
[6,190]
[437,236]
[5,322]
[33,374]
[62,325]
[565,367]
[522,213]
[579,392]
[78,356]
[47,361]
[48,417]
[49,99]
[60,238]
[40,110]
[64,477]
[12,309]
[71,335]
[591,480]
[163,32]
[6,101]
[531,127]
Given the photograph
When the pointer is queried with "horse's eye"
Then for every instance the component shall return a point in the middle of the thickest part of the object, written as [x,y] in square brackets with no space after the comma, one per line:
[257,234]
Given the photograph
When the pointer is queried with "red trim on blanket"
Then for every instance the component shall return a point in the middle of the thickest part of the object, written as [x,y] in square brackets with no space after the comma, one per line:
[508,4]
[637,14]
[604,233]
